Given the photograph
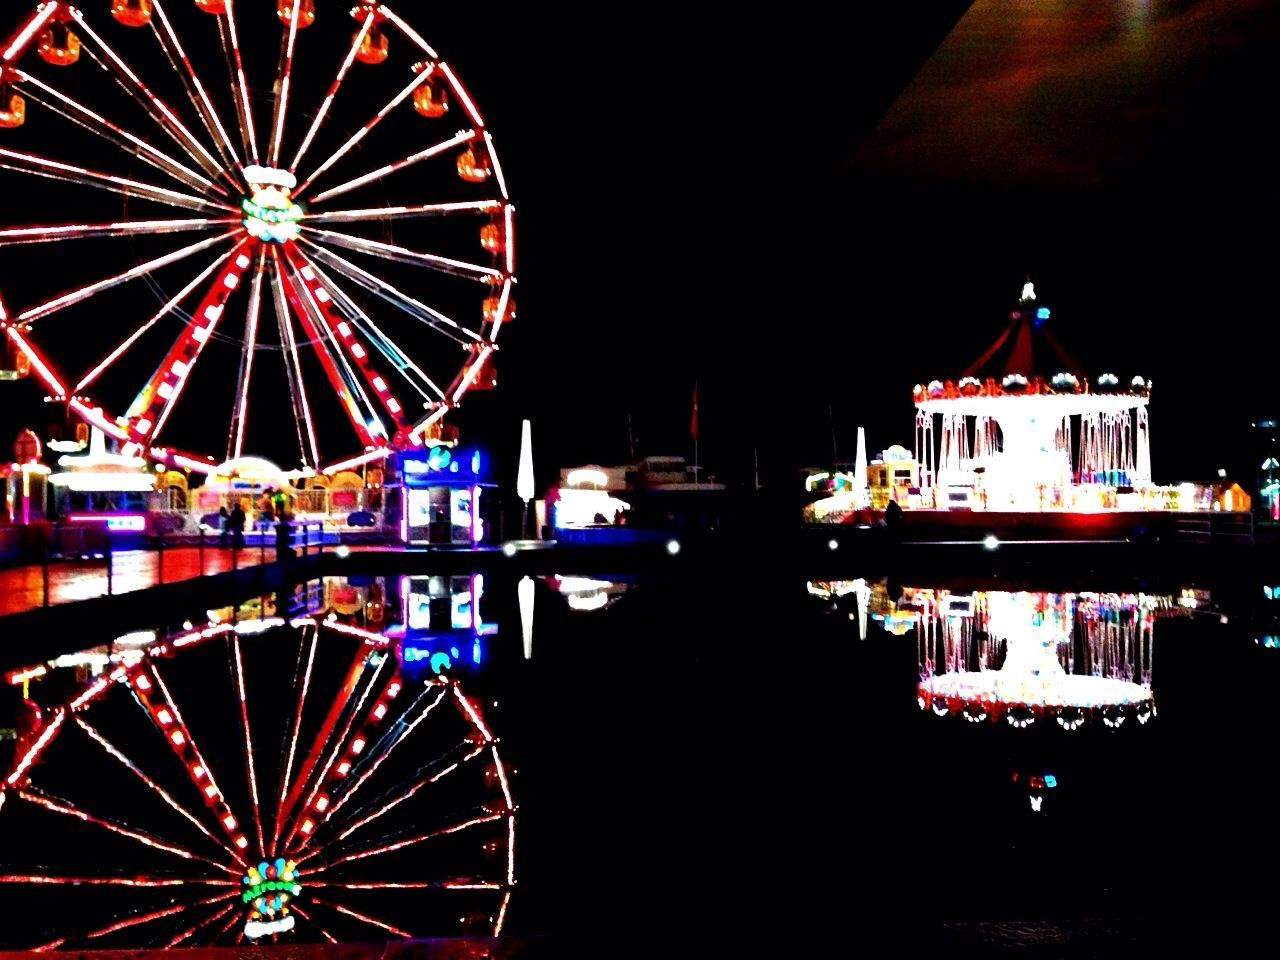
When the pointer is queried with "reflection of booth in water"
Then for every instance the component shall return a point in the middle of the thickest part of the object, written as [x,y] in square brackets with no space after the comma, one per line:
[443,625]
[441,489]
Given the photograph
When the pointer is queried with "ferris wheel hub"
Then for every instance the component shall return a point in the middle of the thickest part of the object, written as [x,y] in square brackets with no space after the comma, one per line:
[270,212]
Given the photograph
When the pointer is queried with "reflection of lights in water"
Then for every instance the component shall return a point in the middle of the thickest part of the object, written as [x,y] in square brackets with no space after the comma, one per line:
[525,598]
[331,801]
[1023,657]
[585,603]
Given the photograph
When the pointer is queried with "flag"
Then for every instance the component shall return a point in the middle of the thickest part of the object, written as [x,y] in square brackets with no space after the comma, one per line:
[693,419]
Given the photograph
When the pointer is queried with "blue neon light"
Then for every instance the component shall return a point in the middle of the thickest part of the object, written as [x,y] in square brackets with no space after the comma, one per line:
[1042,313]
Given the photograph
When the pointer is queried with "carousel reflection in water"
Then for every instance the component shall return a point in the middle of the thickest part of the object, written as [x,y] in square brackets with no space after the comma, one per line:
[1027,656]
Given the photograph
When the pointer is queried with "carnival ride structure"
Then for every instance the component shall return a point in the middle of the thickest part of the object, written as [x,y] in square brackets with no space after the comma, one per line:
[297,215]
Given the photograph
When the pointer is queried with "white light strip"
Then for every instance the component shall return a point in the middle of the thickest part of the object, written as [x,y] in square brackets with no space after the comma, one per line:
[143,189]
[36,24]
[416,433]
[381,453]
[133,338]
[46,374]
[462,136]
[333,90]
[377,248]
[241,86]
[363,132]
[503,302]
[408,31]
[123,228]
[156,102]
[76,296]
[350,305]
[461,91]
[282,85]
[497,167]
[422,210]
[474,372]
[209,114]
[160,159]
[509,238]
[371,282]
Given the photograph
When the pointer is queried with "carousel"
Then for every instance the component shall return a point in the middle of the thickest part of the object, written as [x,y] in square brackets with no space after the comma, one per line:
[1019,444]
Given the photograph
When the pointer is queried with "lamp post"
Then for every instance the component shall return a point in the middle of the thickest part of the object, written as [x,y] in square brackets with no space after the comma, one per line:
[524,475]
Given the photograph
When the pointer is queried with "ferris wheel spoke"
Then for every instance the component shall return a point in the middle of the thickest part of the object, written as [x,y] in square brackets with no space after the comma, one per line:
[239,415]
[351,682]
[100,126]
[142,269]
[40,166]
[390,251]
[190,931]
[141,880]
[405,212]
[163,794]
[288,44]
[221,932]
[181,63]
[293,368]
[471,372]
[238,670]
[364,131]
[124,228]
[397,298]
[139,919]
[320,304]
[397,357]
[230,39]
[27,33]
[461,137]
[69,809]
[156,108]
[407,842]
[307,917]
[425,777]
[340,799]
[372,921]
[348,746]
[157,399]
[151,695]
[323,112]
[344,388]
[294,727]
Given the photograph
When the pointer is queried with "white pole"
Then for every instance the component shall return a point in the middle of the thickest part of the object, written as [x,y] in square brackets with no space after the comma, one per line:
[861,495]
[524,475]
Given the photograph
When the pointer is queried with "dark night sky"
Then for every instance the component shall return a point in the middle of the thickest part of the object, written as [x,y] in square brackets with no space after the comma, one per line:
[777,209]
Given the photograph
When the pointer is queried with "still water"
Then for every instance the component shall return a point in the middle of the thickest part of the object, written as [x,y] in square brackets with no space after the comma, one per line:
[690,761]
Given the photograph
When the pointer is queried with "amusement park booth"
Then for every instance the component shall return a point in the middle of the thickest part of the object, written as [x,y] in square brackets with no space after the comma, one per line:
[442,489]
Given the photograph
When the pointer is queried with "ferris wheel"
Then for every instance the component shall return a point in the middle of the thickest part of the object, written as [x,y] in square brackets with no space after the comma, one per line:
[188,795]
[326,238]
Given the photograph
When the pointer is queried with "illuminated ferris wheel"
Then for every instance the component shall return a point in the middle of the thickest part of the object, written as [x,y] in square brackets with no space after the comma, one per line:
[349,241]
[190,794]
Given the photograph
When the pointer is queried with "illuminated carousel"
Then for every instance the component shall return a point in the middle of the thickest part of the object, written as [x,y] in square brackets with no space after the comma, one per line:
[1008,443]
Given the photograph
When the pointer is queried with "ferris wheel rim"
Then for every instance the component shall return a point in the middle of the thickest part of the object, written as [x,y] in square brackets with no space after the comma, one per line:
[212,166]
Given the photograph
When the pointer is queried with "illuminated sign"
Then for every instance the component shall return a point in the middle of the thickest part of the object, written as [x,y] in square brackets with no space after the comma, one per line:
[443,463]
[126,523]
